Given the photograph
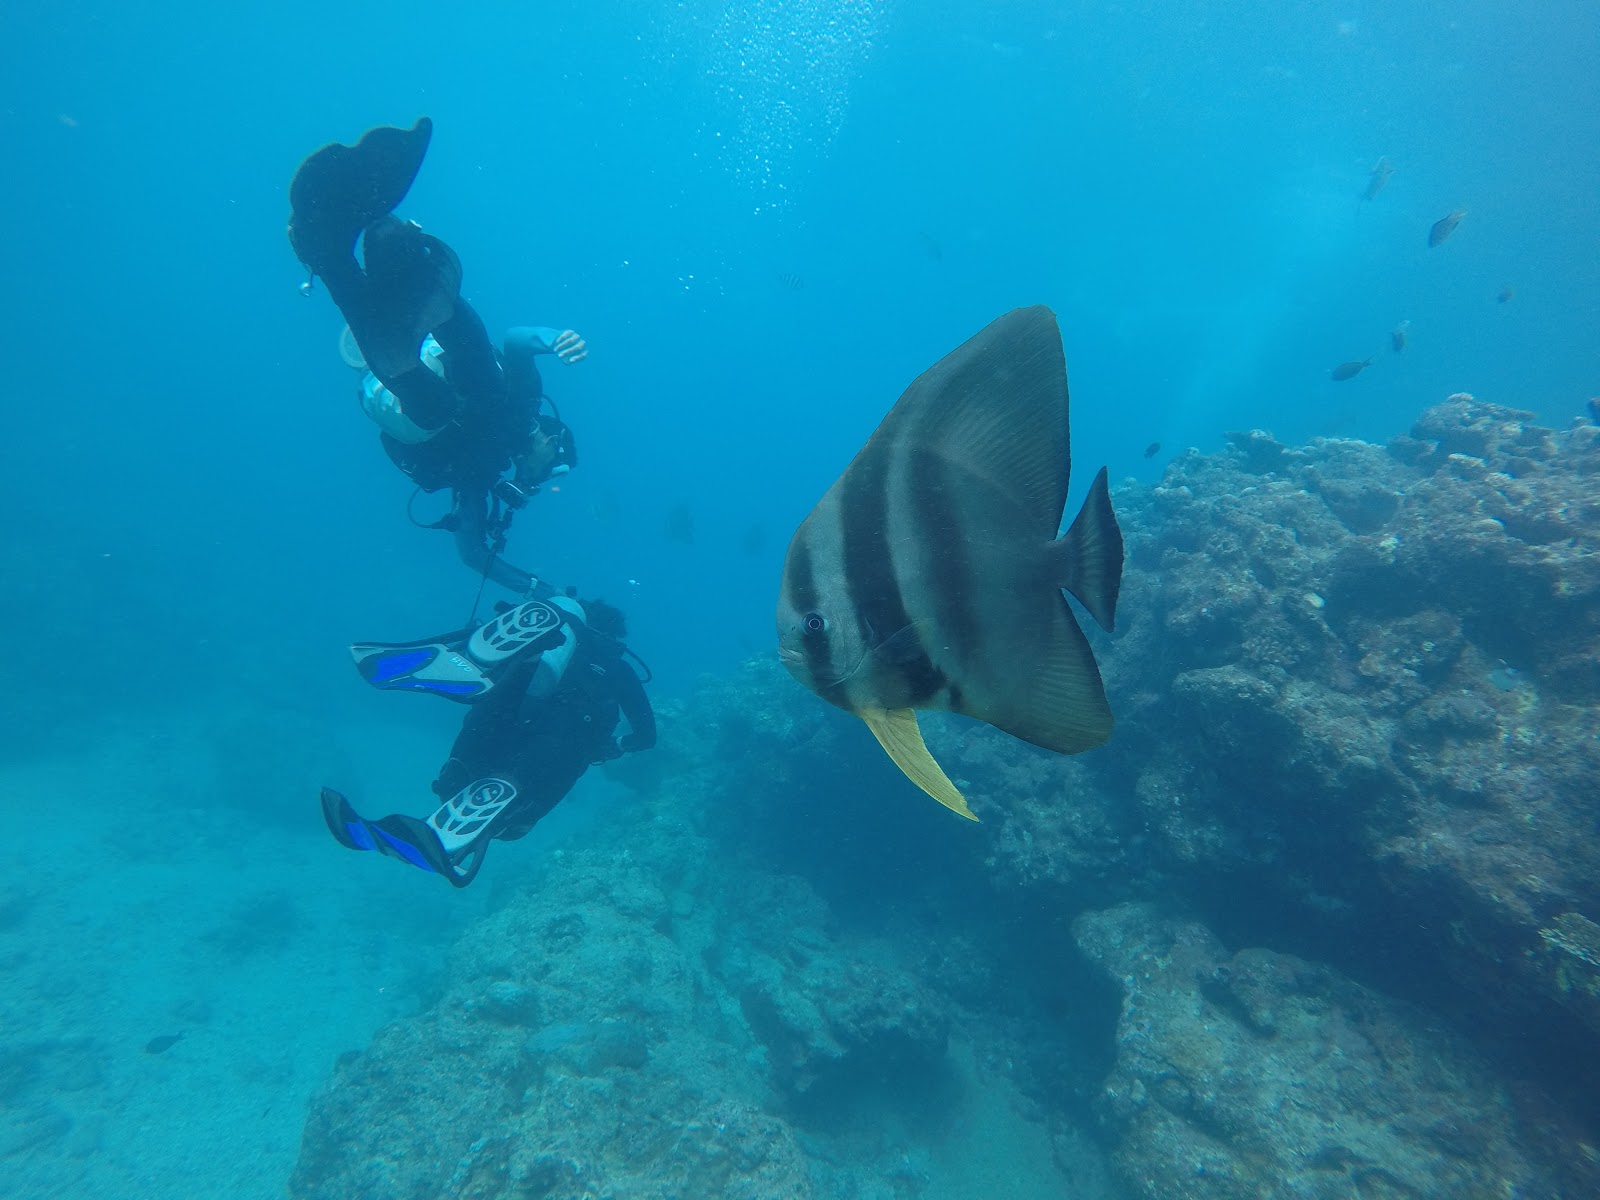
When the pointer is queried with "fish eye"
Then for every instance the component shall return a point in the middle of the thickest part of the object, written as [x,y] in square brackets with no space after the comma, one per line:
[814,622]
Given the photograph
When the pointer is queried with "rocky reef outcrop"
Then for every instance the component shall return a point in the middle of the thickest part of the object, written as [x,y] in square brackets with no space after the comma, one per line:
[1368,678]
[649,1021]
[1259,1074]
[577,1050]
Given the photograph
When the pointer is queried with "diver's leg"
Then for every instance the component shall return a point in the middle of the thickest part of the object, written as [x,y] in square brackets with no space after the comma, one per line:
[548,761]
[474,543]
[469,356]
[336,193]
[427,401]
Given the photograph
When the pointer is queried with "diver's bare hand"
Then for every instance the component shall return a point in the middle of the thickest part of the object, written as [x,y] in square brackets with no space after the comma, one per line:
[570,348]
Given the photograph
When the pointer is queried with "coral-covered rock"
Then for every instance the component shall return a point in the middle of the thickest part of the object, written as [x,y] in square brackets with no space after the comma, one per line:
[1261,1075]
[1369,678]
[574,1053]
[830,1024]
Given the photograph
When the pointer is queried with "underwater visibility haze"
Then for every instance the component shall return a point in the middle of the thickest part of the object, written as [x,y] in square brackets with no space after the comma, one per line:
[1284,872]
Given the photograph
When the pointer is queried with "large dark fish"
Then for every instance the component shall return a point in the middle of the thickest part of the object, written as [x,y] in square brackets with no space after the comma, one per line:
[1399,335]
[1348,370]
[1445,226]
[1377,177]
[930,574]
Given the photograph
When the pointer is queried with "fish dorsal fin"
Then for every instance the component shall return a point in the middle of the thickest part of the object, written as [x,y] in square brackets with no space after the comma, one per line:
[995,409]
[900,738]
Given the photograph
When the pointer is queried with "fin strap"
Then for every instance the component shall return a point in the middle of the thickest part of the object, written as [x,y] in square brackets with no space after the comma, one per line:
[901,739]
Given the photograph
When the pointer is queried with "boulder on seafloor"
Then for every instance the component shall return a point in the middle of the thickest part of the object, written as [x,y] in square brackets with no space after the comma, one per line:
[647,1020]
[575,1052]
[1256,1074]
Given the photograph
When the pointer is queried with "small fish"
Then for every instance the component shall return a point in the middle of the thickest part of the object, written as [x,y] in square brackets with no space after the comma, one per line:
[1377,177]
[1397,338]
[930,574]
[160,1045]
[1348,370]
[931,247]
[791,281]
[1505,677]
[1153,449]
[1505,293]
[1445,226]
[680,525]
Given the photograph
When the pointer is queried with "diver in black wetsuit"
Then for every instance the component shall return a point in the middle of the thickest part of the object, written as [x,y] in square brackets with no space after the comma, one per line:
[548,683]
[454,412]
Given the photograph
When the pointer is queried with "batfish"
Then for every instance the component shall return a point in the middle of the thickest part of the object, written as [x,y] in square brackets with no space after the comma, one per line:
[930,574]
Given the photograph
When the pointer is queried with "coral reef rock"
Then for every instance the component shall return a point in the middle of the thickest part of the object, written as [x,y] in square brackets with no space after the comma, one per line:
[574,1053]
[1363,681]
[1260,1075]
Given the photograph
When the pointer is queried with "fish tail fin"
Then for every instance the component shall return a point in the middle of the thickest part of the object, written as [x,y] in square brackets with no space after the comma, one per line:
[1087,559]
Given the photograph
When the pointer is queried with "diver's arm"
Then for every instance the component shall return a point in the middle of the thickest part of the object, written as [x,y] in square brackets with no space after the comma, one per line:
[473,544]
[531,340]
[635,707]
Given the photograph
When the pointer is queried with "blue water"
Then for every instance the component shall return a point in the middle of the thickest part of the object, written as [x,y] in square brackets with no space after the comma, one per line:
[199,517]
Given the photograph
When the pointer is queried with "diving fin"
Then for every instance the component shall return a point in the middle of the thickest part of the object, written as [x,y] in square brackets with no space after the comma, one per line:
[898,734]
[421,667]
[465,818]
[340,190]
[399,836]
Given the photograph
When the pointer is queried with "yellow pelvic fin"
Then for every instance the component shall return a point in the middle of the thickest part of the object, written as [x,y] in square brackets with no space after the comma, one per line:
[900,738]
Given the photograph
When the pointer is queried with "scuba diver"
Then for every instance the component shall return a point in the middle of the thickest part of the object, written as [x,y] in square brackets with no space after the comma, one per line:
[547,684]
[454,412]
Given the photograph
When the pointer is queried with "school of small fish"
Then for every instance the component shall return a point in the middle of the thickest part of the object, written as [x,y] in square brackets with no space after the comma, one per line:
[1439,232]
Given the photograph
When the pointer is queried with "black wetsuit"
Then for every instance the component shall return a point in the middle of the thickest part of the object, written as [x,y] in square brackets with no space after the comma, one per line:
[542,745]
[490,429]
[483,413]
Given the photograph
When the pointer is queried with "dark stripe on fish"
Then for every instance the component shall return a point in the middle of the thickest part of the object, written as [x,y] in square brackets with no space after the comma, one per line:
[801,577]
[875,596]
[950,573]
